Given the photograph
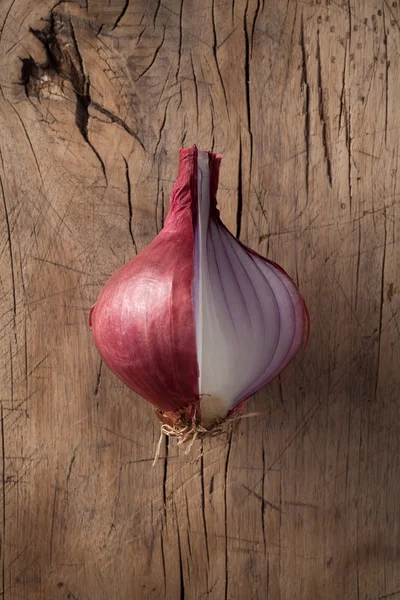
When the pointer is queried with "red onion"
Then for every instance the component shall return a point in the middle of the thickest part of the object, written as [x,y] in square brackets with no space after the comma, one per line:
[198,322]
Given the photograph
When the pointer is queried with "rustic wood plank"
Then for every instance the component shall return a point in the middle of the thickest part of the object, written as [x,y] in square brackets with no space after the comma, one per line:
[96,97]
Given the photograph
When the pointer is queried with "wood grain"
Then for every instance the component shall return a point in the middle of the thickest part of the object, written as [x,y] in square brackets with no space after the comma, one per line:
[301,97]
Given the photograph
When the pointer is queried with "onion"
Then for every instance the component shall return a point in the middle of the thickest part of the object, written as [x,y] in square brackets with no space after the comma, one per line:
[197,322]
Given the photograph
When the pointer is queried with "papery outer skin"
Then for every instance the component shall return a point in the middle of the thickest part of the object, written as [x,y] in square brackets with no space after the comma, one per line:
[143,322]
[147,336]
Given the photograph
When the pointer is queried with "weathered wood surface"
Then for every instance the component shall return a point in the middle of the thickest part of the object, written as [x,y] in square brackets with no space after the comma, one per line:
[96,97]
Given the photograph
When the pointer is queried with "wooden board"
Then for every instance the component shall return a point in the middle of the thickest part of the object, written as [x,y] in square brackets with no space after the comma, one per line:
[302,98]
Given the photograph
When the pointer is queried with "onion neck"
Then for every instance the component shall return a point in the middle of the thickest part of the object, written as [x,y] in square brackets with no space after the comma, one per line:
[186,187]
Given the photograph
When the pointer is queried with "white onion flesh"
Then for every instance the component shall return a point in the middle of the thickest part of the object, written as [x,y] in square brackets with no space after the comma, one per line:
[249,315]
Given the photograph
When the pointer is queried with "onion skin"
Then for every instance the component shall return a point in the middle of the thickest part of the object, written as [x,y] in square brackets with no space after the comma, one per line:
[144,323]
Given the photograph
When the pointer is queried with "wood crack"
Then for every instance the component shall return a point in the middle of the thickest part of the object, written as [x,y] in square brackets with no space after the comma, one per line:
[157,196]
[263,499]
[385,41]
[214,49]
[53,517]
[343,91]
[162,127]
[382,300]
[226,513]
[71,464]
[188,532]
[358,266]
[164,482]
[83,101]
[181,578]
[348,146]
[10,248]
[350,19]
[156,13]
[212,123]
[247,83]
[196,91]
[6,18]
[254,24]
[322,115]
[163,560]
[240,194]
[305,84]
[98,380]
[203,505]
[70,594]
[129,193]
[180,41]
[385,596]
[117,120]
[153,60]
[121,15]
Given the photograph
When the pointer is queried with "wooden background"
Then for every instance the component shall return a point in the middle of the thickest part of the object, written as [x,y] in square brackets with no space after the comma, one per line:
[302,98]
